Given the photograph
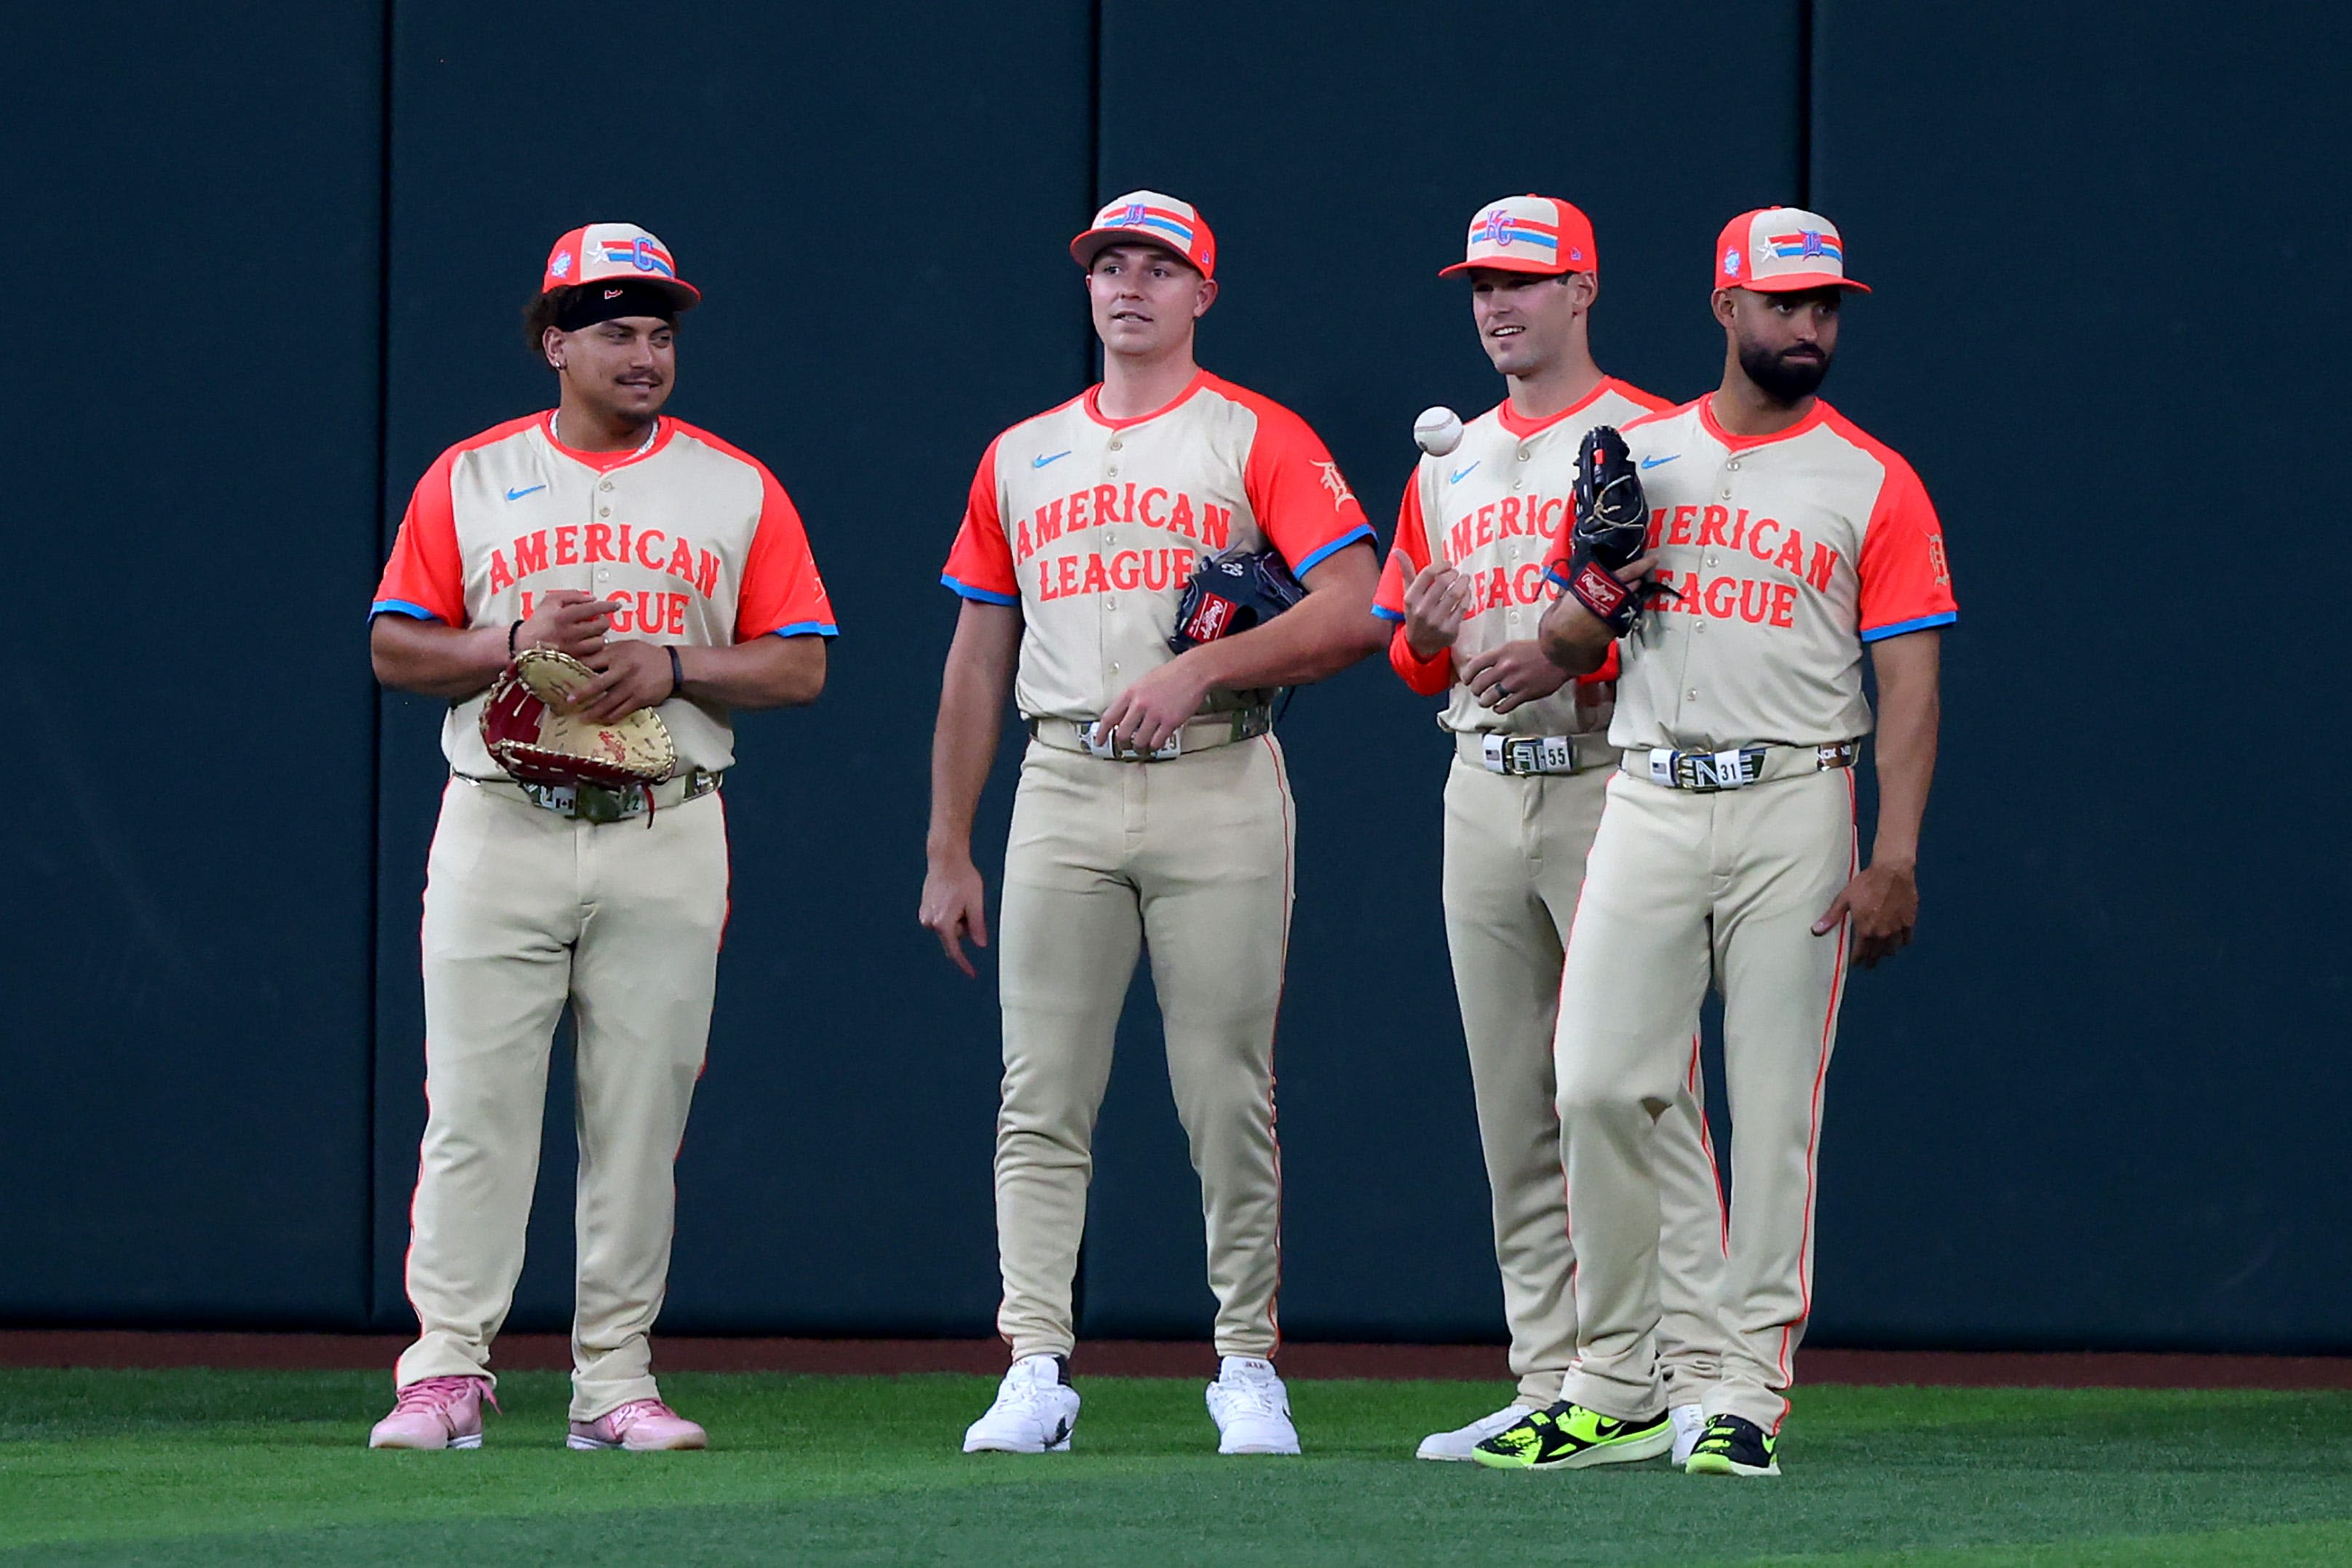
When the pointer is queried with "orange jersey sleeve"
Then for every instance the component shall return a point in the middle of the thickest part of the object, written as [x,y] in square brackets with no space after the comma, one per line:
[1907,582]
[782,593]
[1431,677]
[425,577]
[1408,555]
[1294,487]
[980,563]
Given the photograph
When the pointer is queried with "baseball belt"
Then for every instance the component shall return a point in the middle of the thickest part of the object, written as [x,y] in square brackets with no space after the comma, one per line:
[1202,734]
[1707,772]
[1528,756]
[596,803]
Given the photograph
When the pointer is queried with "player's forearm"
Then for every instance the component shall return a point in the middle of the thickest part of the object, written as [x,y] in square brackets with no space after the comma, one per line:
[1574,637]
[1910,711]
[1322,635]
[973,692]
[766,672]
[434,660]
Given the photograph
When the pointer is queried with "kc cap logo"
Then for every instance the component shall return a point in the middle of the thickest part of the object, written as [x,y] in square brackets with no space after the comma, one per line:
[612,252]
[1151,218]
[1529,233]
[1780,249]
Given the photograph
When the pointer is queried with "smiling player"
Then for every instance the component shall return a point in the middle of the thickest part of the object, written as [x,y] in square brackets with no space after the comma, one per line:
[1465,584]
[1154,810]
[676,567]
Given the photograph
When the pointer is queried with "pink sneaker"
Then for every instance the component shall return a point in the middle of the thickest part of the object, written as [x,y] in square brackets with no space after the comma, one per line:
[436,1412]
[640,1425]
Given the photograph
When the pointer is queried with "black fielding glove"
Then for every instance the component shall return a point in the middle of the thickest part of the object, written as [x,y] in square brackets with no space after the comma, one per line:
[1613,528]
[1233,592]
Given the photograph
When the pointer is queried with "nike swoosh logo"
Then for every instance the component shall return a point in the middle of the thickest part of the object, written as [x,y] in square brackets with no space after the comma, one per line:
[1461,474]
[1653,462]
[518,495]
[1041,462]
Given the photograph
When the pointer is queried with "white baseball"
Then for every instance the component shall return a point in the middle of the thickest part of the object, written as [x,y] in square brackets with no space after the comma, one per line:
[1437,431]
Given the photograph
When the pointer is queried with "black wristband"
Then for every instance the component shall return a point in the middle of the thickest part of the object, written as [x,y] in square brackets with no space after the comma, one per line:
[677,672]
[510,637]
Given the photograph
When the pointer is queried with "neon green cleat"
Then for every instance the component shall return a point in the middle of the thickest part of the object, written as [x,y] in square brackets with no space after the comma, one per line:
[1569,1436]
[1732,1446]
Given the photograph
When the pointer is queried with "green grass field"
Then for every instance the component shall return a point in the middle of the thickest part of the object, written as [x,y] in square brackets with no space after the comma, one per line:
[194,1466]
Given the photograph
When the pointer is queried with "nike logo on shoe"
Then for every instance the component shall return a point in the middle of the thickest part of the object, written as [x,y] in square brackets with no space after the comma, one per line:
[1041,462]
[1655,462]
[518,495]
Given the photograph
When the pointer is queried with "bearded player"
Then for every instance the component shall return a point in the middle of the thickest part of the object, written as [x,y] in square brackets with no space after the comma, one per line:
[1789,547]
[1466,586]
[1154,810]
[675,566]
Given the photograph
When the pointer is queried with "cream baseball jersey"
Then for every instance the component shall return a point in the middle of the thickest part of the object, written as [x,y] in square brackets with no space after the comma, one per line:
[1491,510]
[1789,553]
[694,541]
[1090,525]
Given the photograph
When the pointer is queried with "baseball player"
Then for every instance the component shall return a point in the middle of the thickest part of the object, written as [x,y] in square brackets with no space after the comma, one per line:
[1465,584]
[1153,808]
[674,566]
[1788,545]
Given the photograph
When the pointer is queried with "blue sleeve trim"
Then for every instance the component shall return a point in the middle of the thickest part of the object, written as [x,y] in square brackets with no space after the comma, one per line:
[807,629]
[400,607]
[1360,531]
[1877,633]
[1387,614]
[984,596]
[1551,575]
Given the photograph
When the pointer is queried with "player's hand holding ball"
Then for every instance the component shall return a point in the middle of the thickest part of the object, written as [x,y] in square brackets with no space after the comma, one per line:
[567,621]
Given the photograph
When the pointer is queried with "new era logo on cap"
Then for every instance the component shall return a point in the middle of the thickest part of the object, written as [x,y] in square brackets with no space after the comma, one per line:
[1778,250]
[610,252]
[1529,233]
[1155,219]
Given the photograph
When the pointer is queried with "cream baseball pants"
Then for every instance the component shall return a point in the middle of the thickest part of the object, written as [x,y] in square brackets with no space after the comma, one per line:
[1515,857]
[526,911]
[1190,860]
[1684,888]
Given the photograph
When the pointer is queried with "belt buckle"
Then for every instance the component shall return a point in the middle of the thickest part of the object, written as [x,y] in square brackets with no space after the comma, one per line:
[1171,747]
[596,803]
[1707,773]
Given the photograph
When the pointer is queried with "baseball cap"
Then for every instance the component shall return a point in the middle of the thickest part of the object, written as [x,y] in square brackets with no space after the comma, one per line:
[1775,250]
[1529,234]
[1155,219]
[606,252]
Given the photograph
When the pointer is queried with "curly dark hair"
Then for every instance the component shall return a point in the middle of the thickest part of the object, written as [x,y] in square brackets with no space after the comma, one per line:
[540,313]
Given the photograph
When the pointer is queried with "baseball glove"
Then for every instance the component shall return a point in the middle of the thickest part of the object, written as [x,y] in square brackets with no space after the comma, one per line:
[1233,592]
[529,732]
[1613,528]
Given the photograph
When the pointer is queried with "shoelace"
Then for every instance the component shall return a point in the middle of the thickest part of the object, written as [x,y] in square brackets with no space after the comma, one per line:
[1260,1398]
[434,1395]
[637,1410]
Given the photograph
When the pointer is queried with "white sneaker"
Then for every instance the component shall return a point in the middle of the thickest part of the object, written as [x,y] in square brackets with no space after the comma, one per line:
[1251,1408]
[1459,1443]
[1690,1425]
[1035,1411]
